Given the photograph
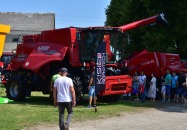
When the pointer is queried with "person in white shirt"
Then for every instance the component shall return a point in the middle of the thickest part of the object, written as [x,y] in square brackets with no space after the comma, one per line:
[142,79]
[64,97]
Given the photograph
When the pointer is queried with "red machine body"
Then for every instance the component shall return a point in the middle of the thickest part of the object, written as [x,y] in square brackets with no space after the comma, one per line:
[155,62]
[74,48]
[52,46]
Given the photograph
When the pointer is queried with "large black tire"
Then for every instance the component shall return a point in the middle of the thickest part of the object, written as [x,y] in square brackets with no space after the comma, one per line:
[77,83]
[15,89]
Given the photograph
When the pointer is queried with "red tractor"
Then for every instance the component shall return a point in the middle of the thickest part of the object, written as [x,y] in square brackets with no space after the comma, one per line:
[74,48]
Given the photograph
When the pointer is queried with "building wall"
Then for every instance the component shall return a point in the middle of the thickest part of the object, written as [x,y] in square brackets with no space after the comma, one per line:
[25,23]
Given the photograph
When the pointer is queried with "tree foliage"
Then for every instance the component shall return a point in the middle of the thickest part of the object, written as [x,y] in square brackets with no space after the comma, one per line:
[170,39]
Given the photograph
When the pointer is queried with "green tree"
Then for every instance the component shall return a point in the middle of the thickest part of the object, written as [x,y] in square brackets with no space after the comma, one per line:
[171,39]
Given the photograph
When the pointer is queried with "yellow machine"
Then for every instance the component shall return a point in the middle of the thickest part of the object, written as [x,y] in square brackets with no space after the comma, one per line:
[4,29]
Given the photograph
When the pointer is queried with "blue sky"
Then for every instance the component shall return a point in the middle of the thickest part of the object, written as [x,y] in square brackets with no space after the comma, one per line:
[79,13]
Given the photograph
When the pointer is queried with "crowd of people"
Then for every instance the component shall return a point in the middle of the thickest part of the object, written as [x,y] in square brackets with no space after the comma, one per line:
[173,87]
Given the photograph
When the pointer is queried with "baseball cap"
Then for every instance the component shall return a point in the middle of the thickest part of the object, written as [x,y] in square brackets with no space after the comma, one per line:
[63,70]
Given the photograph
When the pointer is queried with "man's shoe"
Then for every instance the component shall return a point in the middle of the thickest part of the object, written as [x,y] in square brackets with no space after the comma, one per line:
[89,106]
[66,127]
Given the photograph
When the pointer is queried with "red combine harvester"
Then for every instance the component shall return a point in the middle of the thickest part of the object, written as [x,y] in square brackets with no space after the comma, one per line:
[155,62]
[74,48]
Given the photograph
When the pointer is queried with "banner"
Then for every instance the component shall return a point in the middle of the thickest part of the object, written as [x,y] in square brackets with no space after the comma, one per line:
[100,68]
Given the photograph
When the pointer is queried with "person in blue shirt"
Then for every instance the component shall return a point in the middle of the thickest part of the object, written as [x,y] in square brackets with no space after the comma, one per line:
[168,84]
[174,86]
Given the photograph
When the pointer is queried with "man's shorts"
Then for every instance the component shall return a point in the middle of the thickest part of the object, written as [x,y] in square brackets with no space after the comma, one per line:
[168,89]
[173,91]
[185,95]
[180,91]
[91,91]
[163,90]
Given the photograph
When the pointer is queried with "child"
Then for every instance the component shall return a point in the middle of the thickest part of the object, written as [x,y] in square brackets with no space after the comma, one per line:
[142,92]
[163,91]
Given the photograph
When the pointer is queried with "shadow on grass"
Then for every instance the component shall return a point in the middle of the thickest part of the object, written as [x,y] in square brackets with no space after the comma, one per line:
[166,106]
[35,100]
[43,100]
[38,101]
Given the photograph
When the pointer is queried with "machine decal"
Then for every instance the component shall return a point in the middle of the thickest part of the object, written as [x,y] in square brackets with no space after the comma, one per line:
[43,48]
[100,67]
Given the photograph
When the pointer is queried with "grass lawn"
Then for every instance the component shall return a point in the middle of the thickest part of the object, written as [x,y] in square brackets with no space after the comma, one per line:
[39,109]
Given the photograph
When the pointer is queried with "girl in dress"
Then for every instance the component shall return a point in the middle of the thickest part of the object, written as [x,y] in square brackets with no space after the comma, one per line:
[152,89]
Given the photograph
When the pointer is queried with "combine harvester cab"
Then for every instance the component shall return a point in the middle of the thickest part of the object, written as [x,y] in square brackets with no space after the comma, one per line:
[74,48]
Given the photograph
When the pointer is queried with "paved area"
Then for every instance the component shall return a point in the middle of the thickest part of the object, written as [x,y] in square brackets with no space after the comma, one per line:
[170,118]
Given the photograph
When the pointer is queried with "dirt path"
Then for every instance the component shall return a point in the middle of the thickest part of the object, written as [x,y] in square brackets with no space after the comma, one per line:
[170,118]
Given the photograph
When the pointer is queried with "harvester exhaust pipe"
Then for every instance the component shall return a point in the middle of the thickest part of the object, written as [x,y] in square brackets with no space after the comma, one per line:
[161,19]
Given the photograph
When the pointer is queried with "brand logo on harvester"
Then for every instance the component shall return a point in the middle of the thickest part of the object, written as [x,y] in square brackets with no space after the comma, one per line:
[100,68]
[101,57]
[43,48]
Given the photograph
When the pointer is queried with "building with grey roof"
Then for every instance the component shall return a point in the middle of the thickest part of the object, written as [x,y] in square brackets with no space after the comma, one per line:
[25,23]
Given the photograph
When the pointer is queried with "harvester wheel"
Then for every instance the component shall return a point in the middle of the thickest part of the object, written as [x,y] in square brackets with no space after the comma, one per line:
[14,89]
[77,83]
[77,86]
